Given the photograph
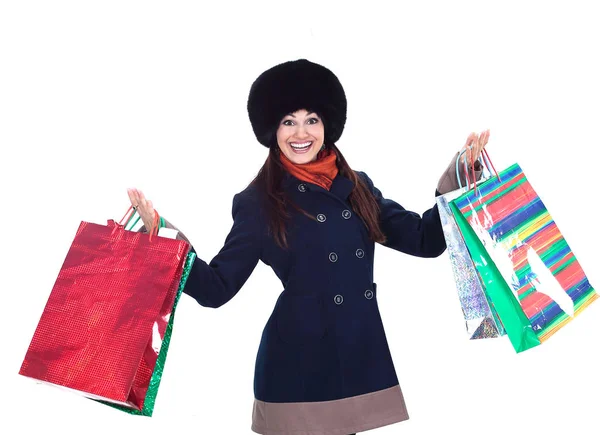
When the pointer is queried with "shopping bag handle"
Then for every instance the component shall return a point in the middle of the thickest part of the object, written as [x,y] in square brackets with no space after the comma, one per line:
[484,158]
[465,168]
[157,222]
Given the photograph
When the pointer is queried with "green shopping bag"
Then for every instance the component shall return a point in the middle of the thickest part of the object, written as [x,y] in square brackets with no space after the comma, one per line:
[497,291]
[515,322]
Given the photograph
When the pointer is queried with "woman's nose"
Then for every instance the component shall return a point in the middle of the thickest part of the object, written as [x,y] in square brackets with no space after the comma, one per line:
[301,132]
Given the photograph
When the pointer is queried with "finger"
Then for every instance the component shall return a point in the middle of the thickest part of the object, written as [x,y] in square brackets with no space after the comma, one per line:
[478,146]
[146,210]
[486,138]
[483,138]
[150,210]
[469,140]
[472,148]
[138,195]
[145,213]
[133,196]
[152,215]
[139,203]
[132,199]
[142,204]
[481,141]
[468,144]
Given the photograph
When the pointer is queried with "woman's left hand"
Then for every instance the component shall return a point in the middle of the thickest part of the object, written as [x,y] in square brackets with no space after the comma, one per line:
[474,146]
[143,206]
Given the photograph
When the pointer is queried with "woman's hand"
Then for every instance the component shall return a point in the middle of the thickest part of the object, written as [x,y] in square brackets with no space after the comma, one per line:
[143,206]
[474,145]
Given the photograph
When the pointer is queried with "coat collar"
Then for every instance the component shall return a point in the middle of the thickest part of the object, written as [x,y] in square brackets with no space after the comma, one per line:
[340,187]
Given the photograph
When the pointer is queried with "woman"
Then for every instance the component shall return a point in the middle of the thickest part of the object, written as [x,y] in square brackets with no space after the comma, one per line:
[323,365]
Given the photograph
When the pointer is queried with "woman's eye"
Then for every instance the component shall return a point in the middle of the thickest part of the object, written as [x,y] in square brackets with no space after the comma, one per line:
[289,122]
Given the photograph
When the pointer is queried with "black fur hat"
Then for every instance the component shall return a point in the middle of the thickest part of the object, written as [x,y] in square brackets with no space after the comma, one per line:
[292,86]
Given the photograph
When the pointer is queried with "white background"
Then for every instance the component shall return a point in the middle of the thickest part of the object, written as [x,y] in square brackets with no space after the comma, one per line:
[96,97]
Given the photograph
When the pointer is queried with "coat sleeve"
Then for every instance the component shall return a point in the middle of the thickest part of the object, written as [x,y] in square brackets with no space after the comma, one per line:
[407,231]
[217,282]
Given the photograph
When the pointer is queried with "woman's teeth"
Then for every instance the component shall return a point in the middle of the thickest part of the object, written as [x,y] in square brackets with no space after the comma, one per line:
[300,146]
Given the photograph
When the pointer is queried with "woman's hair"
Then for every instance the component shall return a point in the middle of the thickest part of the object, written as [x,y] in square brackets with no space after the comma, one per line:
[268,182]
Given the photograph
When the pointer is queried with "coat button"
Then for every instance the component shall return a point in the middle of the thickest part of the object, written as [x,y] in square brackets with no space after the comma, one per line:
[360,253]
[346,214]
[333,257]
[302,187]
[338,299]
[321,217]
[369,294]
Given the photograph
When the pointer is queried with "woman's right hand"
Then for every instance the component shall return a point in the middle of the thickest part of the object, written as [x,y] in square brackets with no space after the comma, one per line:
[143,206]
[474,145]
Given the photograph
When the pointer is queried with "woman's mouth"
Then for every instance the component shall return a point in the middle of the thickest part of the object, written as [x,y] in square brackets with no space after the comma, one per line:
[300,147]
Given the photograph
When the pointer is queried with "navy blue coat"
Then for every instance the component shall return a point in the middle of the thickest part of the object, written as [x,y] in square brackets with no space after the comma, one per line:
[324,339]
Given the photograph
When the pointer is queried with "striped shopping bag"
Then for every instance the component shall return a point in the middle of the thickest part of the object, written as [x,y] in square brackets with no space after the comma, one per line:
[530,273]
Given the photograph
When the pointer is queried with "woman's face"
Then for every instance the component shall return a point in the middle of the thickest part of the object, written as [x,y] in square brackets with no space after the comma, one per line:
[300,136]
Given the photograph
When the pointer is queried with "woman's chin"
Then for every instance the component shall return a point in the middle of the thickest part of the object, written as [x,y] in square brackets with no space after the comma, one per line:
[302,159]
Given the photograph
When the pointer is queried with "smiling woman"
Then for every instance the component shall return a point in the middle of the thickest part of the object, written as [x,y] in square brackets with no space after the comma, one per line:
[323,365]
[301,136]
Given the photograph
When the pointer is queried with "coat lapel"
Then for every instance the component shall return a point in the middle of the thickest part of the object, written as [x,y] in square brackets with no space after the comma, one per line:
[340,188]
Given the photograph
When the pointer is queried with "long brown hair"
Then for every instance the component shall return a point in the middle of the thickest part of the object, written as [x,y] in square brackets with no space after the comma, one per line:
[268,182]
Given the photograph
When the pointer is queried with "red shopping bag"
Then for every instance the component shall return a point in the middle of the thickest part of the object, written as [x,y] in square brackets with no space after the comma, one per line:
[100,331]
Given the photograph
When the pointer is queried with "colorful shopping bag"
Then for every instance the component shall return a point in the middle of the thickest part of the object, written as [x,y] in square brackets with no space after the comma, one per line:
[105,326]
[528,270]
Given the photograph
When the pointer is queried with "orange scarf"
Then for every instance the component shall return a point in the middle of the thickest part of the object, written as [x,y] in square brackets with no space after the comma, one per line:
[320,172]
